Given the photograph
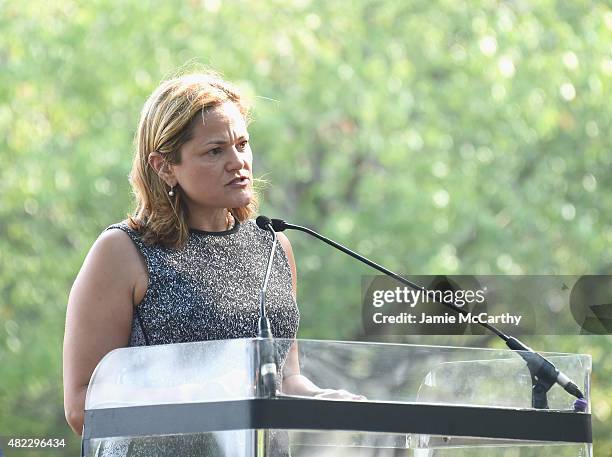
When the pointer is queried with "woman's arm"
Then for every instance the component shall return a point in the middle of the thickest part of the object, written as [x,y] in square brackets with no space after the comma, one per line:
[294,383]
[99,314]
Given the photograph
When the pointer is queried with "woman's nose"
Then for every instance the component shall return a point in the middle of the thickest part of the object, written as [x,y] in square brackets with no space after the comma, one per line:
[235,159]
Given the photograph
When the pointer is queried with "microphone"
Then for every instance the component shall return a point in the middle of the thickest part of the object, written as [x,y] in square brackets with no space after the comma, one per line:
[543,373]
[265,339]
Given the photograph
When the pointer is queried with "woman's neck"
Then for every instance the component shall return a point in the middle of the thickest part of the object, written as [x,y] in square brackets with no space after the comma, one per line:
[216,221]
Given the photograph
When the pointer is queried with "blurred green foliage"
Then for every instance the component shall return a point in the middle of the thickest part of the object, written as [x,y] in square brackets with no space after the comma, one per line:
[437,137]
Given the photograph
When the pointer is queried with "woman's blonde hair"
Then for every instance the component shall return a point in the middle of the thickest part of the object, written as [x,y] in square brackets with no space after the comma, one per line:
[166,123]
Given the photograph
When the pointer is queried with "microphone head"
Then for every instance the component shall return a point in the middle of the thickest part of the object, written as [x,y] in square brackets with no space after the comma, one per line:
[263,222]
[279,225]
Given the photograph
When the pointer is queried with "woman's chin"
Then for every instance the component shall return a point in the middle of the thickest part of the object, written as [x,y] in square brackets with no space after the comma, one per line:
[242,202]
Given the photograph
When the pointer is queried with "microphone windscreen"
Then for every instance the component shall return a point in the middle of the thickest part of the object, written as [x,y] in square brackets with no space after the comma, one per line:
[263,222]
[279,225]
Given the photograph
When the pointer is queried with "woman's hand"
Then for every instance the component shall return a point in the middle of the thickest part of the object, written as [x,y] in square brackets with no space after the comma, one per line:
[294,383]
[340,394]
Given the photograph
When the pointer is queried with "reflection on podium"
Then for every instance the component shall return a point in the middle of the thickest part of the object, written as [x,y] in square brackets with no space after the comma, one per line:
[202,399]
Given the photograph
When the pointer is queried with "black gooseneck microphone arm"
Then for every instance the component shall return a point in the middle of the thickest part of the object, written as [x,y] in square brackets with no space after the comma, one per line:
[543,373]
[266,350]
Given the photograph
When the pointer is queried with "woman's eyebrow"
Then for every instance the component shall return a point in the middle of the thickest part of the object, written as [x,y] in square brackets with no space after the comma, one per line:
[223,141]
[215,142]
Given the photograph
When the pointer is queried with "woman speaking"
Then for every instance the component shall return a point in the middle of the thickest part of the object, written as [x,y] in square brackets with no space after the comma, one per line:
[188,264]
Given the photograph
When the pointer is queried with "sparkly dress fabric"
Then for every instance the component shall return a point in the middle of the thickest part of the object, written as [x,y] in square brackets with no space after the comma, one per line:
[207,290]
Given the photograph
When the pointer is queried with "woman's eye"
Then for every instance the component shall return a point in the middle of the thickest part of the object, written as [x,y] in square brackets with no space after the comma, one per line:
[243,144]
[215,151]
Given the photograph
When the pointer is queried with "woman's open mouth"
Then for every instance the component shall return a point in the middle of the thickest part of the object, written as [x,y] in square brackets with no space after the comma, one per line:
[241,181]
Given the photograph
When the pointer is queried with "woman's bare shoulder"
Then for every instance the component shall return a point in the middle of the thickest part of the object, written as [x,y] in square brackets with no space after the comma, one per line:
[115,257]
[115,245]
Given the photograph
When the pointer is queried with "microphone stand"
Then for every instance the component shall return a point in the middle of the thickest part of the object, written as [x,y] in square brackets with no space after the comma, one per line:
[543,373]
[266,353]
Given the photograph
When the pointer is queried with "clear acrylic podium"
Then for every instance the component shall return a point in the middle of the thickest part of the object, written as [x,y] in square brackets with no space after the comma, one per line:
[201,399]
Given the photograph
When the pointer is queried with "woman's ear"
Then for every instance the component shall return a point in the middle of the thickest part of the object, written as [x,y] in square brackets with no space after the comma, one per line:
[162,168]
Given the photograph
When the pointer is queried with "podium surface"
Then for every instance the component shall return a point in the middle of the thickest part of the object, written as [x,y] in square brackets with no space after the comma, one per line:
[202,399]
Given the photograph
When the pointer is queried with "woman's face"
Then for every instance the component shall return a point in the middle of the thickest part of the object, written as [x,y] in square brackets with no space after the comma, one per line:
[215,168]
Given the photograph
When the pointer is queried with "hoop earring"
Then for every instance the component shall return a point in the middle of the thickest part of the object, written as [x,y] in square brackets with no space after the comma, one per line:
[171,191]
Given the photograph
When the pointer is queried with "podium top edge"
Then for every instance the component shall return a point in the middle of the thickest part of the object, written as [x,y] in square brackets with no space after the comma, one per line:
[360,343]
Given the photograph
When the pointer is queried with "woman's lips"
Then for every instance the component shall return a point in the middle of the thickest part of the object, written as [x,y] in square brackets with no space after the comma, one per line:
[243,181]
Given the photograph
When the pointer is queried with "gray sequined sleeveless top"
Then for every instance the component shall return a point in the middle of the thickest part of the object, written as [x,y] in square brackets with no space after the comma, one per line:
[209,288]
